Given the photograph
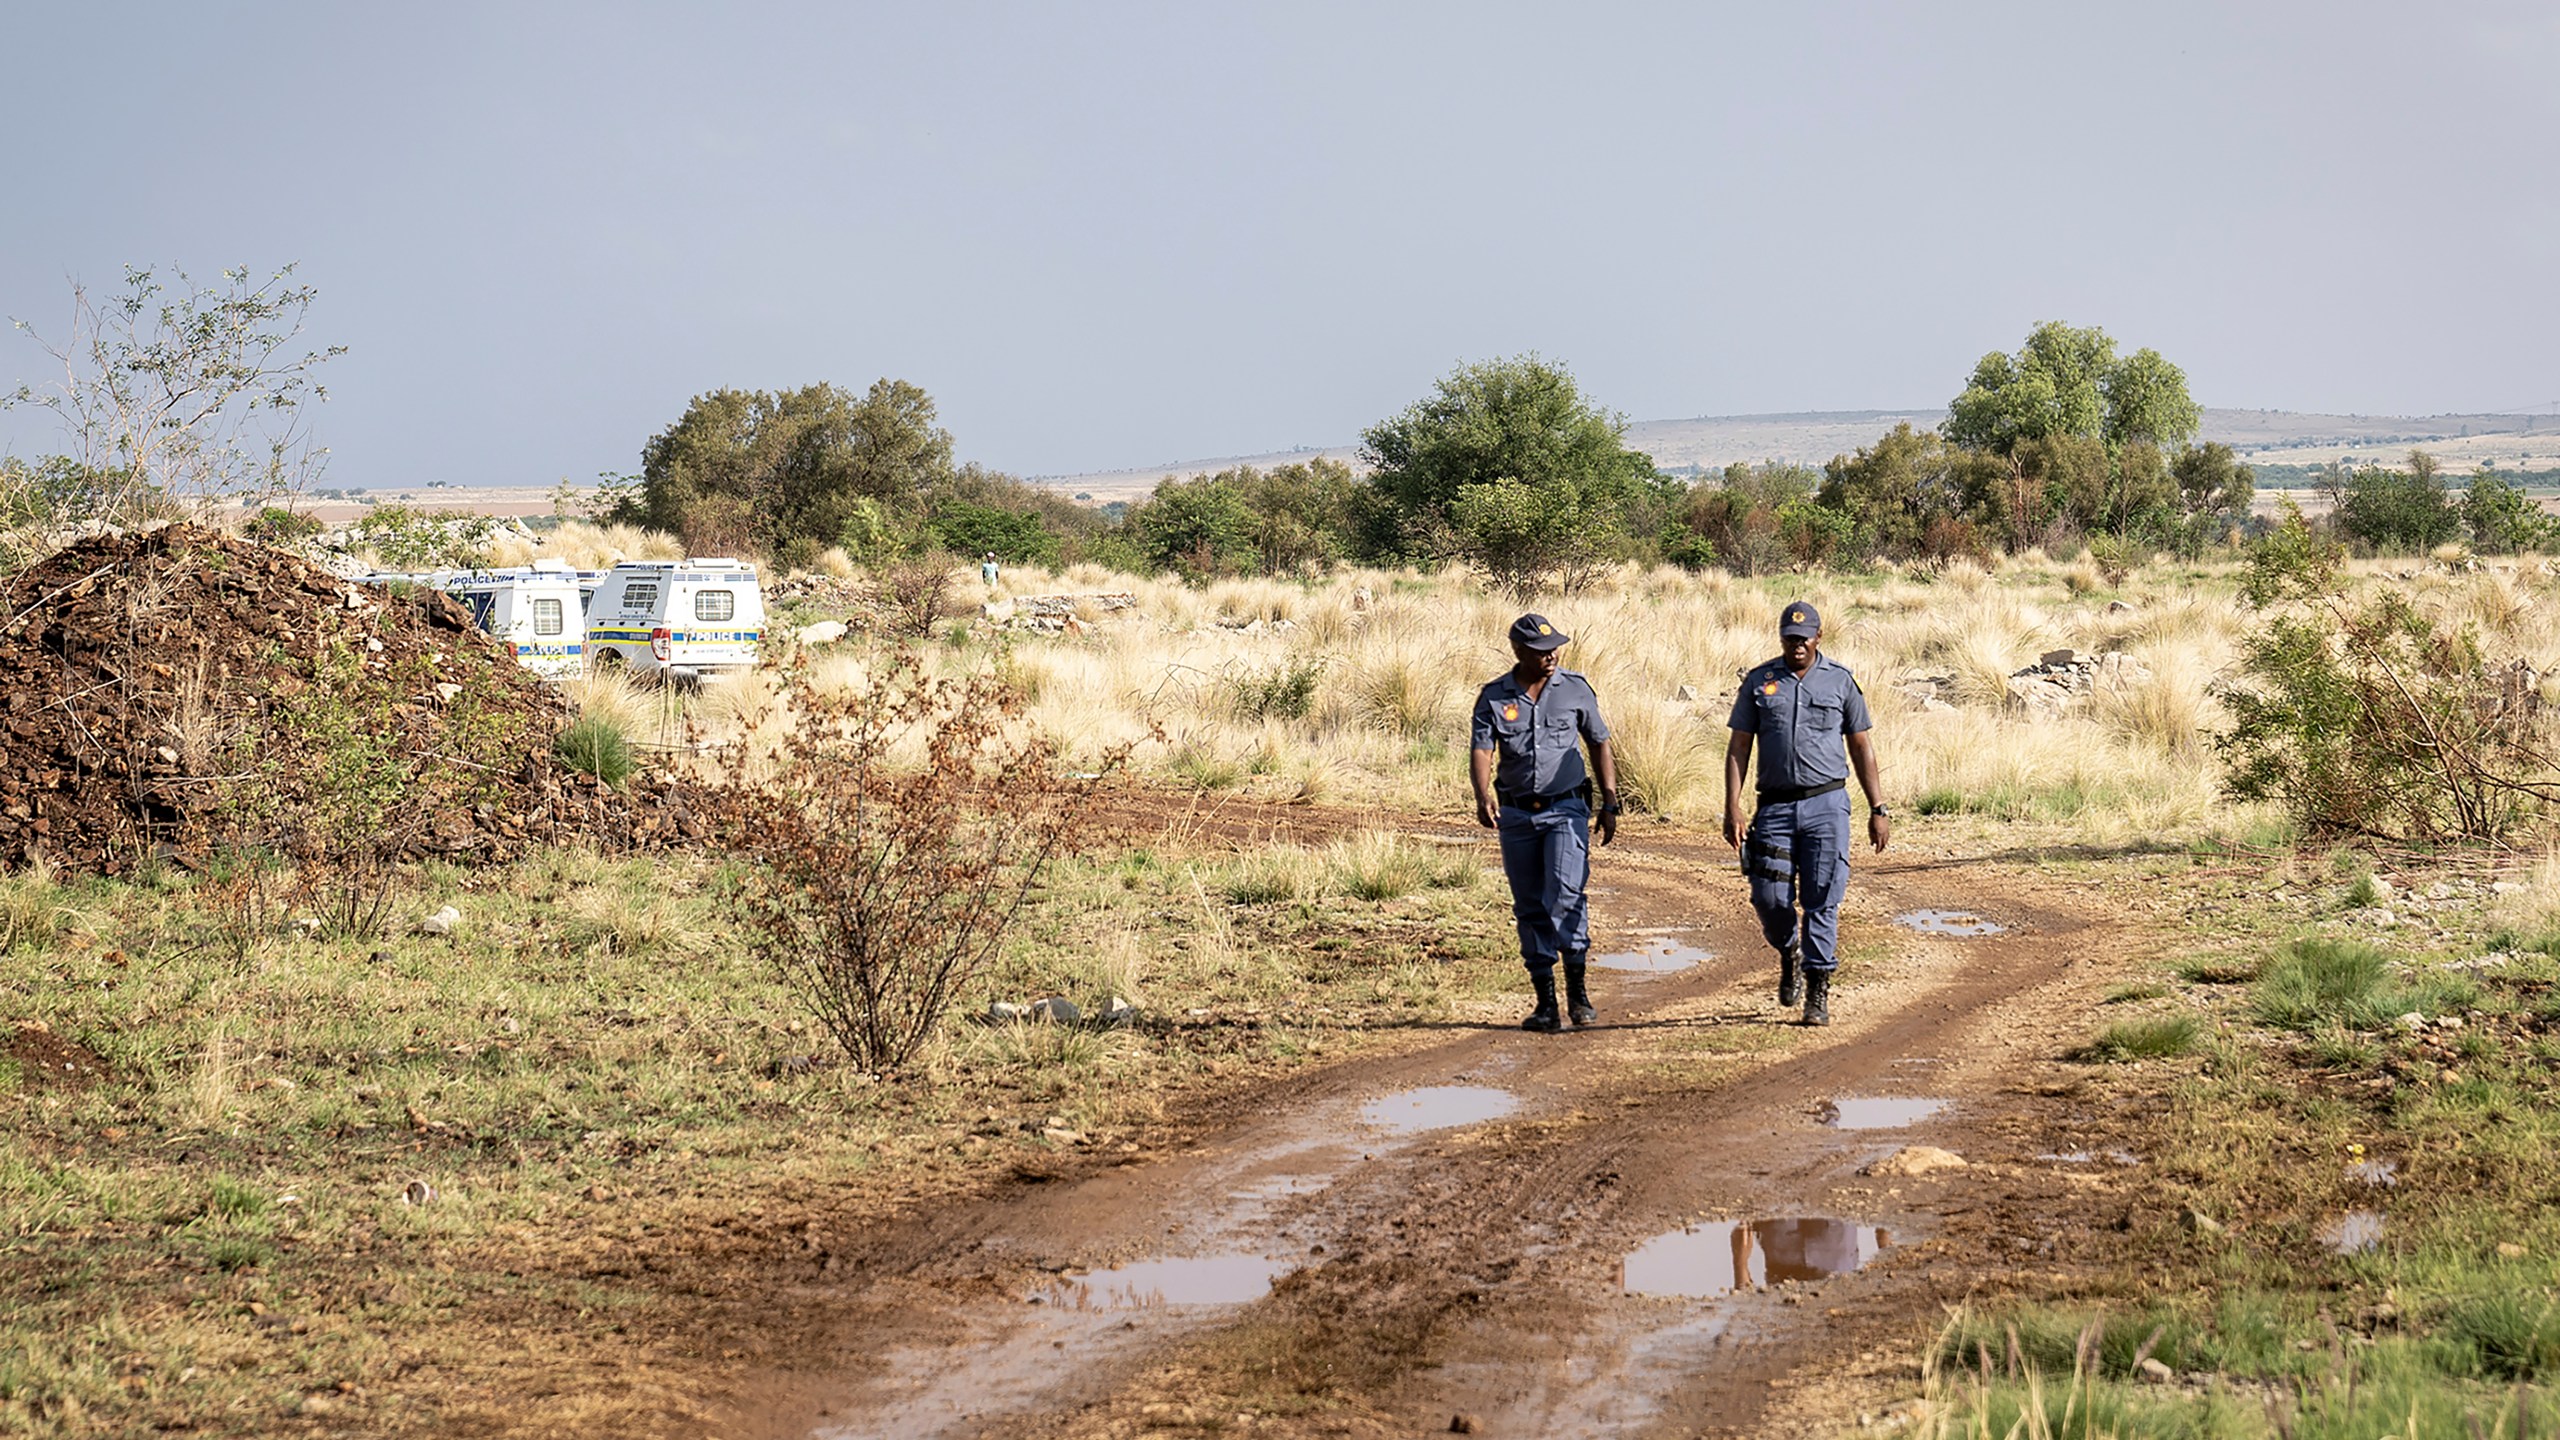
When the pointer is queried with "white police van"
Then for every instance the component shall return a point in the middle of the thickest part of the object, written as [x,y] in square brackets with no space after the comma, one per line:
[533,608]
[679,619]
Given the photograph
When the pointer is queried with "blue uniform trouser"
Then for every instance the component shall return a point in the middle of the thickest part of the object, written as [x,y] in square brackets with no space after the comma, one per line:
[1797,855]
[1547,859]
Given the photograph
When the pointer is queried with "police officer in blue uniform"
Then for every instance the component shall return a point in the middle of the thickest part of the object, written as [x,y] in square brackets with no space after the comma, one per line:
[1810,721]
[1530,725]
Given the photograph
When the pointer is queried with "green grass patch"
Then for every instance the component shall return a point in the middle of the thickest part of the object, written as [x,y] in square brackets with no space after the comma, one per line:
[2317,981]
[2147,1038]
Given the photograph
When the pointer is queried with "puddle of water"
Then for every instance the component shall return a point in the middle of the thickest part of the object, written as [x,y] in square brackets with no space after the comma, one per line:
[2376,1173]
[1438,1107]
[1653,957]
[1703,1261]
[1151,1284]
[1878,1112]
[2353,1233]
[1948,922]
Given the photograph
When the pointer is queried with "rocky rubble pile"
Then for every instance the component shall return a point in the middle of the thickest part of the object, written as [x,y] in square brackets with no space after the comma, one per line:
[146,677]
[1054,614]
[2064,678]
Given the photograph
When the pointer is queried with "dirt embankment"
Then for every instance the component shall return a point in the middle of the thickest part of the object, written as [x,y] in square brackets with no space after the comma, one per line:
[158,689]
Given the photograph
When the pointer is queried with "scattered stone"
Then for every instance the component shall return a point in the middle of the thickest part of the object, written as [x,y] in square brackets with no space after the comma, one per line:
[417,1192]
[1005,1012]
[309,925]
[319,1405]
[1463,1423]
[1057,1010]
[2062,679]
[380,957]
[1686,695]
[1118,1011]
[2510,1250]
[444,922]
[1916,1160]
[2156,1372]
[825,632]
[2204,1224]
[2413,1020]
[2508,887]
[2121,607]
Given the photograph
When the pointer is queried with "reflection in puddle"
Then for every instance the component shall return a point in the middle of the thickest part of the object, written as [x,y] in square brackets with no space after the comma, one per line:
[2353,1233]
[1947,922]
[1147,1284]
[2375,1172]
[1722,1257]
[1653,957]
[1883,1112]
[1437,1107]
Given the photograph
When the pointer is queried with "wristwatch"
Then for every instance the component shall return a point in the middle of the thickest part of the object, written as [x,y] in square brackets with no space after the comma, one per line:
[1609,805]
[1884,810]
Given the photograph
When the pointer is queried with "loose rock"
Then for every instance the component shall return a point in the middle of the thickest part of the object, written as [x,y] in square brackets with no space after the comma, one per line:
[1057,1010]
[1915,1160]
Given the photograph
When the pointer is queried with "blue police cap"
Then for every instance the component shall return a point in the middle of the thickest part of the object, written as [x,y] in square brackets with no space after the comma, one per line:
[1799,619]
[1535,633]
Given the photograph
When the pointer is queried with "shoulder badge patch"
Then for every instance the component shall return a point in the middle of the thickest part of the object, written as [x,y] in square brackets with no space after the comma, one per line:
[1510,712]
[1769,689]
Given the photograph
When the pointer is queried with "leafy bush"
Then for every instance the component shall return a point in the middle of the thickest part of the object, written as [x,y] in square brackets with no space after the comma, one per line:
[2363,716]
[406,539]
[916,594]
[901,830]
[1286,692]
[594,745]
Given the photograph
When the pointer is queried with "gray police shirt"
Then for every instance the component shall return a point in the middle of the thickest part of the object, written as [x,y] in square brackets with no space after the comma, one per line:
[1537,744]
[1801,721]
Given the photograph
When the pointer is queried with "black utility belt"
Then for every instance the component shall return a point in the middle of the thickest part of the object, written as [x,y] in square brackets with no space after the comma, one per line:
[1784,795]
[1536,804]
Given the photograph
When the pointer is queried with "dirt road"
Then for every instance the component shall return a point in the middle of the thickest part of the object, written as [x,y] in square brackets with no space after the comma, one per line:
[1655,1226]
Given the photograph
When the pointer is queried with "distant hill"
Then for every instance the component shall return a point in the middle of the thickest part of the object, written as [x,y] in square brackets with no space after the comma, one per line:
[1711,442]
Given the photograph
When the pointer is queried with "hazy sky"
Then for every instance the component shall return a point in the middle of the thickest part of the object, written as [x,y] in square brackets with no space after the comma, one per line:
[1120,235]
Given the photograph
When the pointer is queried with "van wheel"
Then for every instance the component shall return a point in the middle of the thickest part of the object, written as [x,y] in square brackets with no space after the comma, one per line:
[609,661]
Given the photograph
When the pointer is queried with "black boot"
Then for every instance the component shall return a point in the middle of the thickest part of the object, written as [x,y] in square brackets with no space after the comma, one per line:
[1817,997]
[1790,976]
[1577,1000]
[1544,1019]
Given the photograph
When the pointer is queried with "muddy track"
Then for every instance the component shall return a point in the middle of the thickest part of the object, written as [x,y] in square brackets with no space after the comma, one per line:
[1477,1267]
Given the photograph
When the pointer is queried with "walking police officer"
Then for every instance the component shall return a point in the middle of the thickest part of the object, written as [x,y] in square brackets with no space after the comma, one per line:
[1810,720]
[1530,725]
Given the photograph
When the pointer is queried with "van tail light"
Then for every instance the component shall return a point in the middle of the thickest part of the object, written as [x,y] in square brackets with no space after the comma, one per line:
[660,641]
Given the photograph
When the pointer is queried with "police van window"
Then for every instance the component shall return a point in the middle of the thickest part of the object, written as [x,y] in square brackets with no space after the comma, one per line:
[546,617]
[640,596]
[483,605]
[715,604]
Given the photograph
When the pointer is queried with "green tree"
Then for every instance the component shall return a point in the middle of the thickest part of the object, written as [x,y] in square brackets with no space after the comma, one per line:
[786,474]
[969,529]
[2399,511]
[1196,528]
[1902,491]
[2213,482]
[2501,517]
[2081,431]
[1508,468]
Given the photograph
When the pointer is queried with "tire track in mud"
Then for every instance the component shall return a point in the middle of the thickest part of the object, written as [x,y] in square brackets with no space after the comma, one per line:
[1474,1268]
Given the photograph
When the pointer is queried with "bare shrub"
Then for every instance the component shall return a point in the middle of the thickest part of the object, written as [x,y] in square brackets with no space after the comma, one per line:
[901,829]
[914,594]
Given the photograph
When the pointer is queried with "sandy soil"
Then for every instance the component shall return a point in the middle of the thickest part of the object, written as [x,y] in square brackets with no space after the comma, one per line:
[1482,1268]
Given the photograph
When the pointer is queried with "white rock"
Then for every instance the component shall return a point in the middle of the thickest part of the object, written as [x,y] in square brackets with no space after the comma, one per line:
[825,632]
[1686,694]
[1117,1010]
[2414,1020]
[2508,887]
[2120,607]
[1057,1010]
[443,922]
[1005,1012]
[447,691]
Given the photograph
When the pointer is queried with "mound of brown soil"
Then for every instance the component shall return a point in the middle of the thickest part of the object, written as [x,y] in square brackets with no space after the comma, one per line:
[167,691]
